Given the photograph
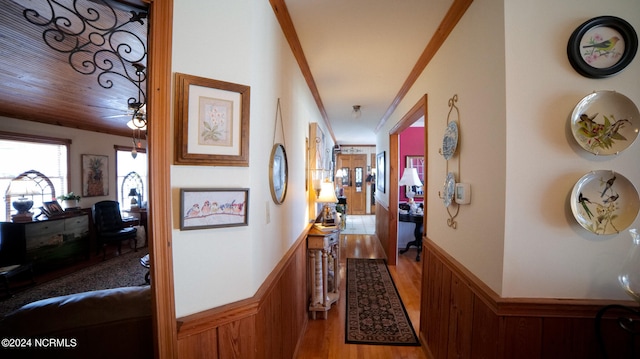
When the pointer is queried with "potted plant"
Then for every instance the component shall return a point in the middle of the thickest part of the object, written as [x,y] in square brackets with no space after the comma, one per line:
[69,200]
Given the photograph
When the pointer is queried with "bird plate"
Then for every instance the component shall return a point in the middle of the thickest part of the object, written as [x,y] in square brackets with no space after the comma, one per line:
[449,189]
[604,202]
[605,122]
[602,46]
[450,140]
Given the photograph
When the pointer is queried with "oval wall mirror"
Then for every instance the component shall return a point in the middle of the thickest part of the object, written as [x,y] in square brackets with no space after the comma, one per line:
[278,169]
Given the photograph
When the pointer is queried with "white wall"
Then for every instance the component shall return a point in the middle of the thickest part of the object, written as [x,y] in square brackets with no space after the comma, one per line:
[507,62]
[547,254]
[82,142]
[241,42]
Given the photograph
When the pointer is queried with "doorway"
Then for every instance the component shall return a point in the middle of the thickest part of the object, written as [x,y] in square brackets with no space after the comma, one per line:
[418,111]
[351,178]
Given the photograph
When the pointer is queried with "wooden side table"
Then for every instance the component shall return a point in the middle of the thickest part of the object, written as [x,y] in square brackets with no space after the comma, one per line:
[323,251]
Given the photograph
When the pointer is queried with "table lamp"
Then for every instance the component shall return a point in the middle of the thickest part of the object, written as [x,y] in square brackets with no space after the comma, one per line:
[134,197]
[327,196]
[22,188]
[411,180]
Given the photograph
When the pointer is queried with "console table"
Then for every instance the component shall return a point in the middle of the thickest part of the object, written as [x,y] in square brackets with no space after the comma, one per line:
[323,251]
[52,242]
[417,232]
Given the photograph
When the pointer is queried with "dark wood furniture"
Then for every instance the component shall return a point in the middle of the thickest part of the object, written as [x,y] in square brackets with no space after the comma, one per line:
[51,243]
[417,232]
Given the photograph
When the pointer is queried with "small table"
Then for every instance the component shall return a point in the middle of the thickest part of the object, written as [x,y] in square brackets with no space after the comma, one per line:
[417,232]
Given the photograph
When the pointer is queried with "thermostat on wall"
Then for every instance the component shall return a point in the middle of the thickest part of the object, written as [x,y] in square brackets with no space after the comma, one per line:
[463,193]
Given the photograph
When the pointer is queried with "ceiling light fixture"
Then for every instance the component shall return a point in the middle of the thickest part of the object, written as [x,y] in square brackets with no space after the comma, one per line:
[356,113]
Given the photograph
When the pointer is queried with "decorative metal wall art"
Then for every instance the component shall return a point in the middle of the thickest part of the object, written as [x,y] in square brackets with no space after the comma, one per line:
[98,35]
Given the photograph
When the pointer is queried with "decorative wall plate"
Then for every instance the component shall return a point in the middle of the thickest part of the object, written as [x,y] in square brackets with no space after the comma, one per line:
[605,122]
[602,46]
[450,140]
[449,189]
[604,202]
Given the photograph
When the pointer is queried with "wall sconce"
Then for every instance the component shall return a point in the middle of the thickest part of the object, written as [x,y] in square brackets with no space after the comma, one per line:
[356,113]
[327,196]
[317,176]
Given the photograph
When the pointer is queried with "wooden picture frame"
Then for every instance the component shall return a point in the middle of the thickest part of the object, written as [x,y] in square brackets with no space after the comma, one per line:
[213,207]
[211,122]
[95,175]
[380,166]
[416,162]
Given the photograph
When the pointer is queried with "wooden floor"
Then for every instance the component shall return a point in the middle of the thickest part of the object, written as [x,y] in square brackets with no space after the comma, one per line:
[325,338]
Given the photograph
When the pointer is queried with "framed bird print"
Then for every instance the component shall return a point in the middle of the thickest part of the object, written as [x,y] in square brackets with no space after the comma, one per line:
[602,46]
[212,208]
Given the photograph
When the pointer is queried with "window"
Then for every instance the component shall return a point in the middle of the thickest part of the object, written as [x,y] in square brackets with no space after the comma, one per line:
[131,173]
[49,157]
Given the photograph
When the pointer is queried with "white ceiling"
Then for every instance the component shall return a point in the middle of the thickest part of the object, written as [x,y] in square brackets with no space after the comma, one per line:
[360,52]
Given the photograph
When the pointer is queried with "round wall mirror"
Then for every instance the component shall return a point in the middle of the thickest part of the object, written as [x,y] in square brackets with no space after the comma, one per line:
[278,168]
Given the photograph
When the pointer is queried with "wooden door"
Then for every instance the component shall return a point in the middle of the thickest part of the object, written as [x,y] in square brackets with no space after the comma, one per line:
[352,181]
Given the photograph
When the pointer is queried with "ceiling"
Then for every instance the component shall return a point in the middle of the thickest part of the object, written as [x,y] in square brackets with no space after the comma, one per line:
[357,52]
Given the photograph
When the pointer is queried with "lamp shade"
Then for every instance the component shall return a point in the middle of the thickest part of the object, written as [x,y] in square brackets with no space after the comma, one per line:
[410,178]
[22,187]
[133,192]
[327,193]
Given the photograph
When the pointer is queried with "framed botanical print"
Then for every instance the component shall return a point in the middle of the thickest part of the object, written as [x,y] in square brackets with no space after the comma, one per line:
[212,122]
[95,175]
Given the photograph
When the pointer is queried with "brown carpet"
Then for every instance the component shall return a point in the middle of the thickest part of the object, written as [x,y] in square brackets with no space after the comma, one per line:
[375,313]
[121,271]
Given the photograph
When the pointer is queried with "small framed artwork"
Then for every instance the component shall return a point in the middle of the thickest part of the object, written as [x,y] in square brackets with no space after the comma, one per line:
[213,208]
[95,175]
[51,209]
[602,46]
[380,164]
[416,162]
[212,122]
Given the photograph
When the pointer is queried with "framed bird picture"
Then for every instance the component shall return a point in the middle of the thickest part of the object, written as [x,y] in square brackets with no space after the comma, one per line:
[202,208]
[602,46]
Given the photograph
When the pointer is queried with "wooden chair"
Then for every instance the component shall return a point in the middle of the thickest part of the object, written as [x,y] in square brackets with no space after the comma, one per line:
[110,227]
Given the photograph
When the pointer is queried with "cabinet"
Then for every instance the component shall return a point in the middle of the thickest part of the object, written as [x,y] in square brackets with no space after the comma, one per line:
[54,242]
[323,252]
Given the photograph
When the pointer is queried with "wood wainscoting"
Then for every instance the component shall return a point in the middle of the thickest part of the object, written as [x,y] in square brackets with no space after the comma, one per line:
[463,318]
[268,325]
[382,231]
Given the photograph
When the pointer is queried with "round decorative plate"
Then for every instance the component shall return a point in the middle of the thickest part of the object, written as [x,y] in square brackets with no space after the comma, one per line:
[605,122]
[450,140]
[449,189]
[604,202]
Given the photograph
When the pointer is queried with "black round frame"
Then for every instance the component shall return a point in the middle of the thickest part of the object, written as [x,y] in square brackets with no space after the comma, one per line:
[622,27]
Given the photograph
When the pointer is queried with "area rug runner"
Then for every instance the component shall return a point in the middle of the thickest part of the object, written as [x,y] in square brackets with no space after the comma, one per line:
[375,313]
[122,271]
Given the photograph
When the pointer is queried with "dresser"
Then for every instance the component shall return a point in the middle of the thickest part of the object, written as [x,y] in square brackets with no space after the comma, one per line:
[323,252]
[54,242]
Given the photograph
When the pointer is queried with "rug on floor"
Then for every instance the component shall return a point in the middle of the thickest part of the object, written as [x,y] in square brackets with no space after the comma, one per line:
[375,313]
[121,271]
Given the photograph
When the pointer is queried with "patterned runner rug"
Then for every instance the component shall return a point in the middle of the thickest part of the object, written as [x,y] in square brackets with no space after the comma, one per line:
[375,313]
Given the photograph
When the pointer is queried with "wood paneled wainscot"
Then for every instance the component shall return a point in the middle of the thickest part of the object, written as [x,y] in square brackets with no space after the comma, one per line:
[462,318]
[268,325]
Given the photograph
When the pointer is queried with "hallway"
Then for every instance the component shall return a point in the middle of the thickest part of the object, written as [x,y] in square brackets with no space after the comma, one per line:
[326,338]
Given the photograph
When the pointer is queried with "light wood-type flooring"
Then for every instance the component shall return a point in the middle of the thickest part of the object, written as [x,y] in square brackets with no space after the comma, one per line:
[325,338]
